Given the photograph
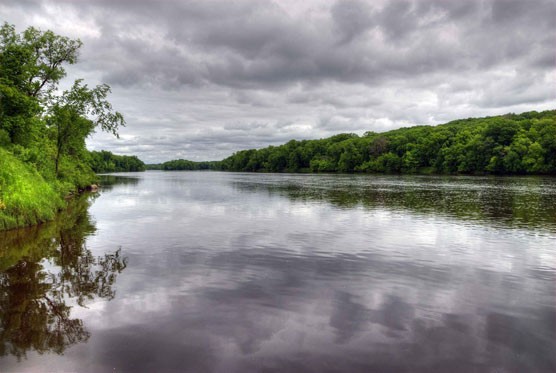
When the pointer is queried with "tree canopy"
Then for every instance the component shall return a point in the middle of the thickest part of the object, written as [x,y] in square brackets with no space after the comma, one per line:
[104,161]
[509,144]
[184,164]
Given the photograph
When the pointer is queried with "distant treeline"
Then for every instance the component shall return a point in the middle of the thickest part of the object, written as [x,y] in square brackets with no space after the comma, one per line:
[105,161]
[508,144]
[183,164]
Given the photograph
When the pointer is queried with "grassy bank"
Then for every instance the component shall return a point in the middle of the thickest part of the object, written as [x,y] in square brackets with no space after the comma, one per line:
[37,242]
[31,193]
[25,197]
[42,135]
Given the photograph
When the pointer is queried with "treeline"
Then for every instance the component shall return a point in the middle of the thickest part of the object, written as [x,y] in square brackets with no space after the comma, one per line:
[509,144]
[42,129]
[104,161]
[184,164]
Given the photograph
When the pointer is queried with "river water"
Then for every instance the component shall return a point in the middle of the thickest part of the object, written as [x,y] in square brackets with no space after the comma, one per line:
[233,272]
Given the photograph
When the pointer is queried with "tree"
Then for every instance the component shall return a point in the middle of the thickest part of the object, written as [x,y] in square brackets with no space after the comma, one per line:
[31,66]
[388,162]
[277,160]
[379,146]
[349,159]
[534,160]
[69,117]
[36,58]
[410,161]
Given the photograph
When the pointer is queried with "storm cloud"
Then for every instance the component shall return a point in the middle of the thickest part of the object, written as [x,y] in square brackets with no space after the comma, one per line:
[202,79]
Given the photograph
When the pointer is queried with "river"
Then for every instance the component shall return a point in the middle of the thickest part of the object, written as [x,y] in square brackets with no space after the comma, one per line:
[235,272]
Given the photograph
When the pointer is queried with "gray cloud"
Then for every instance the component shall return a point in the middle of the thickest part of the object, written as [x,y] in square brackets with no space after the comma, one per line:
[201,80]
[352,18]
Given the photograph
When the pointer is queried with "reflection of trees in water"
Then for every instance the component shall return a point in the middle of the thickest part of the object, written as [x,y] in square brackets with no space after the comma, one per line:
[44,268]
[522,202]
[109,181]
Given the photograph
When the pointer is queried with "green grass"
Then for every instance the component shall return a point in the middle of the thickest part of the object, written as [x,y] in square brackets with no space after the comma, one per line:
[25,197]
[40,241]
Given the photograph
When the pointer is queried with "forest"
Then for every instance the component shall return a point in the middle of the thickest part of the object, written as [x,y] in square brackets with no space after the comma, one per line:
[508,144]
[43,156]
[104,161]
[183,164]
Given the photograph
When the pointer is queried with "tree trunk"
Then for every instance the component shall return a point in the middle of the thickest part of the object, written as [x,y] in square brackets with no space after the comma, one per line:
[57,160]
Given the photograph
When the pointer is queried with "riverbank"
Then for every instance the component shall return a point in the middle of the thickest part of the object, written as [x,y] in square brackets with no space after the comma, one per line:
[27,197]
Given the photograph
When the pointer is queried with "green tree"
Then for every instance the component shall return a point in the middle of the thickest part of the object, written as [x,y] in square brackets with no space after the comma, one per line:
[534,159]
[69,117]
[31,66]
[349,159]
[388,162]
[410,161]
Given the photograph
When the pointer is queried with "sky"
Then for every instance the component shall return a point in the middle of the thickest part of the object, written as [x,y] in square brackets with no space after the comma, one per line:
[202,79]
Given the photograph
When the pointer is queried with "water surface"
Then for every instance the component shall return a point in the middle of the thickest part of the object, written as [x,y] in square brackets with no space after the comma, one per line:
[232,272]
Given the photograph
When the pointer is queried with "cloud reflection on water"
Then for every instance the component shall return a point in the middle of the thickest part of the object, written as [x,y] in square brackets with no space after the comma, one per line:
[255,273]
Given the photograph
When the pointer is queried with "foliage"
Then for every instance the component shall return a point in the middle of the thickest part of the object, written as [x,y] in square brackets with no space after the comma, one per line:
[25,197]
[104,161]
[509,144]
[69,118]
[183,164]
[42,133]
[31,66]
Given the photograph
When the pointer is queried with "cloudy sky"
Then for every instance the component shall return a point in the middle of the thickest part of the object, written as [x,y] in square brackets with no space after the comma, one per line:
[202,79]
